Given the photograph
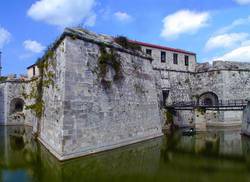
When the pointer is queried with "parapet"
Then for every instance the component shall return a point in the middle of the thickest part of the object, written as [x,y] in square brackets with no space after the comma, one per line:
[222,65]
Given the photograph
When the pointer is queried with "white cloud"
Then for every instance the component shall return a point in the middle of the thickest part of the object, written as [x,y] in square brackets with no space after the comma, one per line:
[64,12]
[123,16]
[33,46]
[225,40]
[241,54]
[4,37]
[184,21]
[246,43]
[242,2]
[234,24]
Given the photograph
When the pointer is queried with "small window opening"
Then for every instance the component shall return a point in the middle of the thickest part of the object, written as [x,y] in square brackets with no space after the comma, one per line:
[175,58]
[163,57]
[149,52]
[186,60]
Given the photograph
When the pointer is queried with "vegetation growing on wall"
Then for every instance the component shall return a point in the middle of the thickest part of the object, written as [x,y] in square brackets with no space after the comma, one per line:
[139,88]
[3,79]
[125,43]
[196,97]
[44,80]
[201,110]
[169,125]
[169,117]
[106,59]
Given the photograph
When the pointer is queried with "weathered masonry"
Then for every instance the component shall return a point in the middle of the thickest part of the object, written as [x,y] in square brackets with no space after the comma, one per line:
[103,96]
[91,93]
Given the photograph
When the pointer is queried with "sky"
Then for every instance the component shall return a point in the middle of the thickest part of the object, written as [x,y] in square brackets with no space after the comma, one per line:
[214,29]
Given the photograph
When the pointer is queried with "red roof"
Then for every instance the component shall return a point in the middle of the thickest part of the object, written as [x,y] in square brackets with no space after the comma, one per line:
[162,47]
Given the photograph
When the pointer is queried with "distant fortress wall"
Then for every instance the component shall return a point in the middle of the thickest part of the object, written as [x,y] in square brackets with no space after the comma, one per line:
[12,104]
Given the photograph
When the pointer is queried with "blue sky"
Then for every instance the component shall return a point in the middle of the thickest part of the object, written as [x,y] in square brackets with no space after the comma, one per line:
[214,29]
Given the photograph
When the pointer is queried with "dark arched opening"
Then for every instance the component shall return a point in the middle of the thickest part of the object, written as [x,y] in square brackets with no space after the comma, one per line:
[208,99]
[16,105]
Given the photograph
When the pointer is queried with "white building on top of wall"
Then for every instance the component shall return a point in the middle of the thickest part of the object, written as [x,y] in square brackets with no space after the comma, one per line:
[32,71]
[166,58]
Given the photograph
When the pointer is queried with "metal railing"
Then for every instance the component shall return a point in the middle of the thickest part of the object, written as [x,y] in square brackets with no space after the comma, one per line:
[219,103]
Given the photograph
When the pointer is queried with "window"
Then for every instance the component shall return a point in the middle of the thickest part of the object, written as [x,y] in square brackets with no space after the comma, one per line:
[163,57]
[149,52]
[186,60]
[34,71]
[175,58]
[165,94]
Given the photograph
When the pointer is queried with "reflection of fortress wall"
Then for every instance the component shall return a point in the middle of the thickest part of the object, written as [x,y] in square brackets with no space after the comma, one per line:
[230,143]
[142,158]
[17,144]
[217,142]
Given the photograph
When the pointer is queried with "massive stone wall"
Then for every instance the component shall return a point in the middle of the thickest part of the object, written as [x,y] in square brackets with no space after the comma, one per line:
[52,123]
[94,117]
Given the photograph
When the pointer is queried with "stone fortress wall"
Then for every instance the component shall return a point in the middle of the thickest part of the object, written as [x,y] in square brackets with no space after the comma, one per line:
[228,81]
[12,104]
[84,115]
[194,81]
[81,115]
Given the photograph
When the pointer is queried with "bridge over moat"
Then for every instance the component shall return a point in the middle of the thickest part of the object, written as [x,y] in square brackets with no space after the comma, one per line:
[220,105]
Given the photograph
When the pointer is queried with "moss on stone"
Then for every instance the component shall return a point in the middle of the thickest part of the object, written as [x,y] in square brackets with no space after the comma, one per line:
[125,43]
[109,58]
[44,80]
[139,88]
[3,79]
[201,110]
[169,117]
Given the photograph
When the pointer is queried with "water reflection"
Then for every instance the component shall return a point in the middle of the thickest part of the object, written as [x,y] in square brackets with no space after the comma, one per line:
[213,142]
[212,156]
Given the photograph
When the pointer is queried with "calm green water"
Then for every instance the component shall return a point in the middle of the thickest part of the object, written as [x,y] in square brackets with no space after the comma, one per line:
[213,156]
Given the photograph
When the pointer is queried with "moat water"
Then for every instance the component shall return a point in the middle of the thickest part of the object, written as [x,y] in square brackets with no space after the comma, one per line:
[222,155]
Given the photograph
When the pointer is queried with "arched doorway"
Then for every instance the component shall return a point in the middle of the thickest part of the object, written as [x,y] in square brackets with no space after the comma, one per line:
[16,105]
[208,99]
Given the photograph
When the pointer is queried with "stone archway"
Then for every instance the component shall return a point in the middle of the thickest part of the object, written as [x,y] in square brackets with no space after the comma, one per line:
[16,105]
[208,99]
